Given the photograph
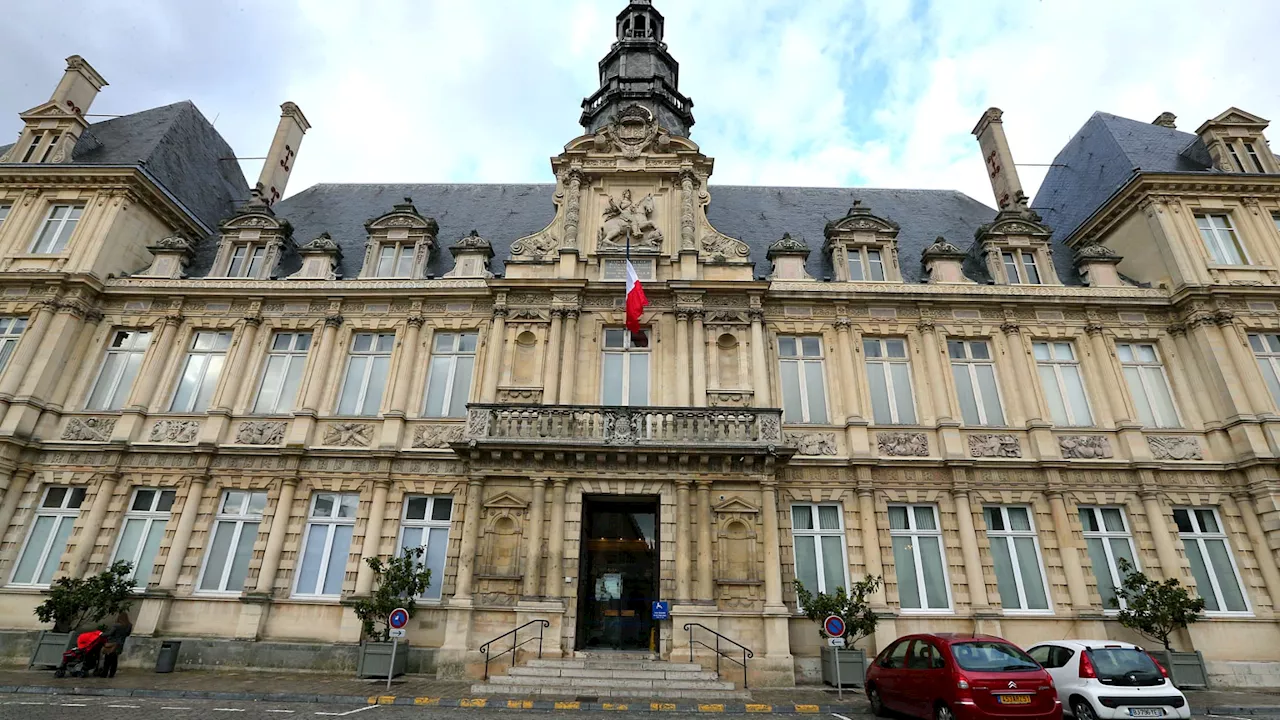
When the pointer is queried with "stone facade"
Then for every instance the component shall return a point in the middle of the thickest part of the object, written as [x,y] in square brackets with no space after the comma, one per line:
[308,422]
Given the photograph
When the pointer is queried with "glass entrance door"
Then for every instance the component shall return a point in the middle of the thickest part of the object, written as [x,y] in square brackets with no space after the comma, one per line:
[618,578]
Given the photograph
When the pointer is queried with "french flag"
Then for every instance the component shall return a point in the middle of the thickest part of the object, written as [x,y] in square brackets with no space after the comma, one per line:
[636,303]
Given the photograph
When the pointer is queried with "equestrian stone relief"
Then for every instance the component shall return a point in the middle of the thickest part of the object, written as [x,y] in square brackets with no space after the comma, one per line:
[623,216]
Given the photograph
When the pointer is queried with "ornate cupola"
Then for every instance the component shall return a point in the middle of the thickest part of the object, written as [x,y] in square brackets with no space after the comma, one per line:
[639,70]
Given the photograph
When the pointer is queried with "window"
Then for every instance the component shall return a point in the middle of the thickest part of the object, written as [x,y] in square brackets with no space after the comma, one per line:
[283,373]
[1106,533]
[896,655]
[866,264]
[1148,384]
[453,360]
[625,379]
[804,395]
[235,529]
[119,369]
[924,656]
[917,556]
[426,525]
[1253,156]
[1220,239]
[1015,551]
[818,534]
[1266,348]
[56,229]
[889,378]
[31,149]
[326,545]
[10,333]
[975,375]
[366,378]
[47,538]
[617,269]
[4,212]
[1020,267]
[246,261]
[1217,579]
[1063,384]
[1275,218]
[1231,148]
[200,374]
[1051,656]
[395,260]
[143,530]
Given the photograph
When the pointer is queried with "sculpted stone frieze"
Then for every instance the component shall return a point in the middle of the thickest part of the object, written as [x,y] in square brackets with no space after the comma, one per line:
[817,443]
[1085,447]
[293,286]
[438,436]
[349,434]
[1174,447]
[92,429]
[908,289]
[623,217]
[175,431]
[729,398]
[994,445]
[903,444]
[265,432]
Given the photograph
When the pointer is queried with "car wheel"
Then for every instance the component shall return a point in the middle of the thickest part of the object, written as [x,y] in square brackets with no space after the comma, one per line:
[877,704]
[942,712]
[1082,710]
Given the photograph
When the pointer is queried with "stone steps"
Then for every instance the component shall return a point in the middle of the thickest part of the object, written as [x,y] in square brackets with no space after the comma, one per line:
[624,674]
[610,676]
[515,691]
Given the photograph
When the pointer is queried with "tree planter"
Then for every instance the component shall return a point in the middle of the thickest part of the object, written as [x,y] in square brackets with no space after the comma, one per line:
[49,648]
[1186,669]
[853,667]
[375,659]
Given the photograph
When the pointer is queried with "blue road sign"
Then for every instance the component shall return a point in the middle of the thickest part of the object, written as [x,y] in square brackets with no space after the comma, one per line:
[661,610]
[398,618]
[834,626]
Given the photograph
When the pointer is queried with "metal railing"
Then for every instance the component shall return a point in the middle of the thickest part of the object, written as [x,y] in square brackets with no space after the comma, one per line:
[542,624]
[746,652]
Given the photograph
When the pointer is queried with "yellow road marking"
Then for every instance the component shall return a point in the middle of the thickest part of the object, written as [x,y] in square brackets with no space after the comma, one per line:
[386,699]
[568,706]
[473,702]
[520,704]
[759,708]
[426,701]
[614,706]
[662,707]
[711,707]
[807,708]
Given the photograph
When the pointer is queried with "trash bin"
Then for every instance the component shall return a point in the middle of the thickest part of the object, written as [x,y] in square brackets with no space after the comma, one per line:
[167,660]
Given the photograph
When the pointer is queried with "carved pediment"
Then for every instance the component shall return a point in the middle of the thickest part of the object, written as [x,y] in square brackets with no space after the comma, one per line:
[860,219]
[403,215]
[323,243]
[254,218]
[1016,222]
[507,501]
[788,245]
[1235,116]
[735,504]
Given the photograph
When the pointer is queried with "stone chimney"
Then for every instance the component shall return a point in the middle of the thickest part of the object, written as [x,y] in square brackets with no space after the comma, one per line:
[1166,119]
[79,86]
[284,151]
[999,159]
[52,129]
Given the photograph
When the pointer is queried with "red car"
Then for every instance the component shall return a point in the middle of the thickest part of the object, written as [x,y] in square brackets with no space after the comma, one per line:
[946,676]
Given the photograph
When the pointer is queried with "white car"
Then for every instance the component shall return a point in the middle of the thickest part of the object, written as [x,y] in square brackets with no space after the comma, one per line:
[1109,679]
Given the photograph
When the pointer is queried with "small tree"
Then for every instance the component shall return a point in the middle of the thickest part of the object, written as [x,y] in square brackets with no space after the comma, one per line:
[852,607]
[1154,609]
[74,603]
[400,582]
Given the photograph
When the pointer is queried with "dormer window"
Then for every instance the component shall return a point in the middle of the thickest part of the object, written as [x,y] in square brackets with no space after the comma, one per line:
[56,229]
[1220,239]
[399,243]
[1253,156]
[247,260]
[1015,249]
[1020,267]
[31,149]
[252,242]
[865,264]
[1236,143]
[395,260]
[1231,148]
[863,246]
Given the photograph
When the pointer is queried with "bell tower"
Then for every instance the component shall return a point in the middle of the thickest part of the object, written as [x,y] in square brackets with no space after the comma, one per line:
[638,70]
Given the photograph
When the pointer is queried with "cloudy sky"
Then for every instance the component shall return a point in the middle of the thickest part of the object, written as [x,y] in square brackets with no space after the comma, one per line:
[881,93]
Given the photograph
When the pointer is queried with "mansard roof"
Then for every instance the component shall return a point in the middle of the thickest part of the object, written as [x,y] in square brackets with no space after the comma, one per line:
[178,147]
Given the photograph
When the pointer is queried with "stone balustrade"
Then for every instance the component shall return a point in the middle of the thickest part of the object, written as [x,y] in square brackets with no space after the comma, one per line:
[614,425]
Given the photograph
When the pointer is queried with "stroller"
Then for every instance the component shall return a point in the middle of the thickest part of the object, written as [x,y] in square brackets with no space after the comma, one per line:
[82,659]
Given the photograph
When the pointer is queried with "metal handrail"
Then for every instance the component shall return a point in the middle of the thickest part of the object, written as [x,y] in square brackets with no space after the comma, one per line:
[542,624]
[746,652]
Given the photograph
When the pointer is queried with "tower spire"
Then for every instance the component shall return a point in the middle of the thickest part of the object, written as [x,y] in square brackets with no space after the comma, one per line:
[638,70]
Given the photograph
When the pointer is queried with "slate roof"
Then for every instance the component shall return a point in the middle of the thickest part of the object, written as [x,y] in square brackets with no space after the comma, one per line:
[1104,154]
[179,148]
[505,213]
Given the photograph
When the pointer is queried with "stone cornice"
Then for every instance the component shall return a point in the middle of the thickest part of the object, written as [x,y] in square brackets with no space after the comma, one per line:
[292,287]
[895,292]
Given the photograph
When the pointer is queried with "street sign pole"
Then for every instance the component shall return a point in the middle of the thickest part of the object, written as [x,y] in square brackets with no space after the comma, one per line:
[839,683]
[395,628]
[391,669]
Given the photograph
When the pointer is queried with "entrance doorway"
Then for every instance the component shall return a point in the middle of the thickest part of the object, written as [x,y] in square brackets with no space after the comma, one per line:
[618,577]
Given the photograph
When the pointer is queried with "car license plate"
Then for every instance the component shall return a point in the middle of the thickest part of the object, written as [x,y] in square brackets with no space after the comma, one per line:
[1146,712]
[1013,699]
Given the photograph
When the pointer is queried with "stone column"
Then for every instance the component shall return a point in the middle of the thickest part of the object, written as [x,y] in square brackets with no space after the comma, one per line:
[1199,388]
[320,364]
[533,553]
[551,372]
[569,363]
[182,536]
[238,367]
[62,386]
[147,394]
[871,552]
[1245,364]
[493,355]
[1069,552]
[706,583]
[1231,392]
[470,534]
[933,364]
[1183,393]
[13,492]
[699,343]
[682,358]
[555,542]
[1031,406]
[372,536]
[1170,566]
[683,551]
[32,337]
[1262,551]
[406,366]
[969,551]
[572,198]
[687,232]
[772,548]
[275,537]
[759,363]
[848,369]
[92,527]
[1113,408]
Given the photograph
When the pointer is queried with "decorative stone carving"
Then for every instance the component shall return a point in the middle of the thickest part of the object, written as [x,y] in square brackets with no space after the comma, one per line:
[320,259]
[520,396]
[813,443]
[175,431]
[994,445]
[942,248]
[1174,447]
[1084,447]
[349,434]
[92,429]
[632,132]
[260,432]
[438,436]
[718,247]
[788,245]
[627,216]
[770,428]
[541,245]
[729,398]
[478,420]
[903,444]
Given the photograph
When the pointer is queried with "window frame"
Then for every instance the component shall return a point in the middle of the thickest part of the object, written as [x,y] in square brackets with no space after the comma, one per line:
[221,347]
[911,531]
[102,366]
[1144,367]
[817,533]
[73,208]
[373,353]
[332,522]
[237,520]
[626,352]
[148,517]
[427,525]
[1106,536]
[1056,364]
[292,356]
[802,361]
[1199,535]
[1021,260]
[861,256]
[971,364]
[882,362]
[1252,152]
[1268,359]
[5,209]
[450,356]
[398,257]
[251,258]
[9,339]
[1008,535]
[64,512]
[1215,238]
